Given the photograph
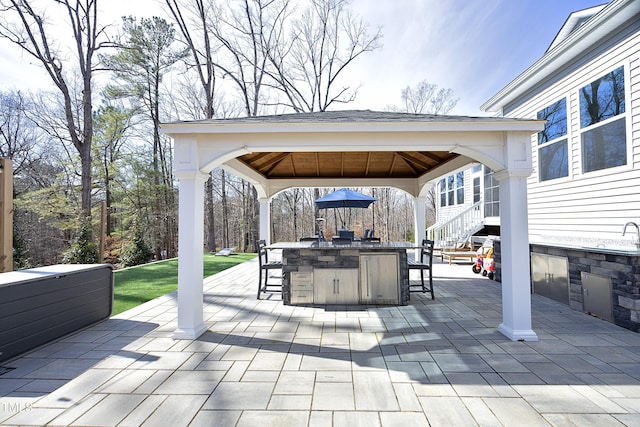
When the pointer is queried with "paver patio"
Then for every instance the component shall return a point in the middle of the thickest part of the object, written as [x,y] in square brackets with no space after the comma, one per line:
[438,363]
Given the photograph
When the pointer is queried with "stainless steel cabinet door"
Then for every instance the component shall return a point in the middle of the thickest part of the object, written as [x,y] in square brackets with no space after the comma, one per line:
[379,278]
[335,286]
[550,276]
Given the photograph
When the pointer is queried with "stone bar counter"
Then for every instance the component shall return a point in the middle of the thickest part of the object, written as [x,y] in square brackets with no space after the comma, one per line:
[357,273]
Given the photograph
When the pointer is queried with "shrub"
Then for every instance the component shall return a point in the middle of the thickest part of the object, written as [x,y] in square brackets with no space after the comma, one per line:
[113,249]
[136,251]
[84,250]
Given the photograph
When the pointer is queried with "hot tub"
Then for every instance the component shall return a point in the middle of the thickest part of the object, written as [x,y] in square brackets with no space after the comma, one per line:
[42,304]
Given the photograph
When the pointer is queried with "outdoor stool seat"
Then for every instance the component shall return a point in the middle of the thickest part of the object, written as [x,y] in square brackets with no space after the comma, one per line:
[425,263]
[266,266]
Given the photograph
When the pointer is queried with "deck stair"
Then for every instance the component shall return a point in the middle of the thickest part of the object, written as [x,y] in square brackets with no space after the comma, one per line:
[457,228]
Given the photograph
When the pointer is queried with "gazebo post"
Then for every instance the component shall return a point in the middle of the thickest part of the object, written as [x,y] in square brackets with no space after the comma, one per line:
[265,219]
[419,220]
[514,251]
[190,259]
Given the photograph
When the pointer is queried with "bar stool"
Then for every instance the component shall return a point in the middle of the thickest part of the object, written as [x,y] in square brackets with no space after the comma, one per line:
[265,267]
[425,263]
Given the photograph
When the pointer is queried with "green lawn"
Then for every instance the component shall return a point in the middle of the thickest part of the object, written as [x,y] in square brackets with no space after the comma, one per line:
[136,285]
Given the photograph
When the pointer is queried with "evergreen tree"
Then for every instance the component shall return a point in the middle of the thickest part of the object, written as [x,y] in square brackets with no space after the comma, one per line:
[84,250]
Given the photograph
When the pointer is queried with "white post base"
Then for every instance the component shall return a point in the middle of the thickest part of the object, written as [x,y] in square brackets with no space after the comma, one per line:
[189,334]
[517,335]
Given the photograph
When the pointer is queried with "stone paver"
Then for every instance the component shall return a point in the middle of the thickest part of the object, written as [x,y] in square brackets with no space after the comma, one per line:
[432,363]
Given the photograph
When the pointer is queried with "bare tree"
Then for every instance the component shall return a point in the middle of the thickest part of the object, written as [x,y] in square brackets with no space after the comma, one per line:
[248,31]
[19,137]
[325,40]
[193,22]
[197,39]
[426,98]
[29,29]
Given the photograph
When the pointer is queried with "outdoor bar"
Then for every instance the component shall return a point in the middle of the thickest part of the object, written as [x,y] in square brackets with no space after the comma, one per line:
[355,273]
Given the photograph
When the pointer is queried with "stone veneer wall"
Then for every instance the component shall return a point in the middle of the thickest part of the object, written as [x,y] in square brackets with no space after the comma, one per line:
[497,261]
[623,270]
[306,259]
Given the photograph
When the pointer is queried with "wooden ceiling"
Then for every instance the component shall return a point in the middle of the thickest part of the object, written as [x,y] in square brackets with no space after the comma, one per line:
[373,164]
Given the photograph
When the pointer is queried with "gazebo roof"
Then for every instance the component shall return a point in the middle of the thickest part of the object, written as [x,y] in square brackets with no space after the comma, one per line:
[390,147]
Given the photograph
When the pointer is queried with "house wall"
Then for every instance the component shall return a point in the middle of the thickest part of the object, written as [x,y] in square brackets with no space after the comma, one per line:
[590,206]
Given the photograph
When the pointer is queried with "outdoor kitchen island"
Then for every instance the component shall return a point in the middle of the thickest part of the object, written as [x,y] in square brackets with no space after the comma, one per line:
[356,273]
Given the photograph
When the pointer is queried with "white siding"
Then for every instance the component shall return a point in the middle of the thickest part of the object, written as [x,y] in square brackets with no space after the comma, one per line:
[594,205]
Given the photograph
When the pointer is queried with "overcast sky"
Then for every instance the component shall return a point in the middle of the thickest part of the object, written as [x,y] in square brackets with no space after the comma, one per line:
[474,47]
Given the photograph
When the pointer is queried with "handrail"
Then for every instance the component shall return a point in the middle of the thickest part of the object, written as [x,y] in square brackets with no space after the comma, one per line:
[457,228]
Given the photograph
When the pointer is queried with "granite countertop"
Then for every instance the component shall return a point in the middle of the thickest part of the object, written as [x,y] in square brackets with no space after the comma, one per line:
[356,244]
[611,250]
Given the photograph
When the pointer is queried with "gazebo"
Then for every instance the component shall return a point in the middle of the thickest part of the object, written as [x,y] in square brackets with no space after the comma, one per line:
[354,148]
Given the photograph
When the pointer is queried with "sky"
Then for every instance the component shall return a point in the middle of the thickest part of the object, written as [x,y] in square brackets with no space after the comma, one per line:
[474,47]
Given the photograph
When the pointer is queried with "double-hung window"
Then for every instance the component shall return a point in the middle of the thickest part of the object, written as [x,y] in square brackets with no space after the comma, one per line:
[452,190]
[603,122]
[553,155]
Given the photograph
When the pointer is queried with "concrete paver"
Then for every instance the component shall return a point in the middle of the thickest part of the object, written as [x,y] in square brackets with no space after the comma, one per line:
[433,362]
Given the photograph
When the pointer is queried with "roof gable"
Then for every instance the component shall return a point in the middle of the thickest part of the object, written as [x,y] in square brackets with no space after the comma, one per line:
[574,21]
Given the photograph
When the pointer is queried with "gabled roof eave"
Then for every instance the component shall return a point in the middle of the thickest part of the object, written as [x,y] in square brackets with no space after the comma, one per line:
[611,17]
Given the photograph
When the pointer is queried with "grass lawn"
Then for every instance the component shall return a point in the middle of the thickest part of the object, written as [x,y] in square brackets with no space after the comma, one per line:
[136,285]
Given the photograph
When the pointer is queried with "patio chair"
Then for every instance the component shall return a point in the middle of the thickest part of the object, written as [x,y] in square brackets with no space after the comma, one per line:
[264,267]
[425,263]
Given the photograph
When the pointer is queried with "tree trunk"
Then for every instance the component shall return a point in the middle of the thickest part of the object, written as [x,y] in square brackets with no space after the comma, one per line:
[210,215]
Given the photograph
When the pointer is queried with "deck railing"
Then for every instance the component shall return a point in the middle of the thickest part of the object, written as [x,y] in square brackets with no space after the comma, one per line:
[458,228]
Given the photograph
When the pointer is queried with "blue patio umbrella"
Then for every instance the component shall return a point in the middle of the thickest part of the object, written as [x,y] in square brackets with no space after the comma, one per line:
[344,198]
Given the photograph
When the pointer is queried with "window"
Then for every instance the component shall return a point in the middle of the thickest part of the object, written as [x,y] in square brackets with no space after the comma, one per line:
[603,122]
[476,189]
[452,190]
[491,194]
[553,154]
[460,187]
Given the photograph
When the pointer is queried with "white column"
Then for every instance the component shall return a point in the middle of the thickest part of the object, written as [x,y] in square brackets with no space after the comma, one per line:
[190,255]
[419,220]
[265,219]
[514,252]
